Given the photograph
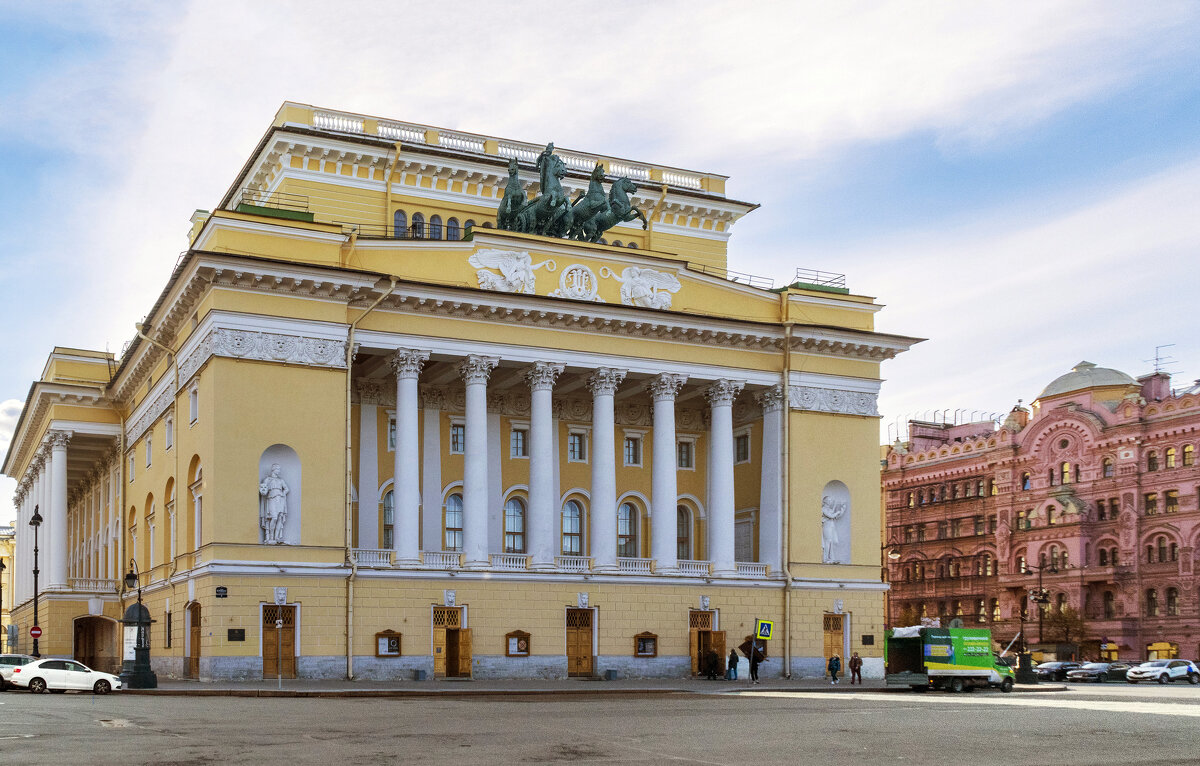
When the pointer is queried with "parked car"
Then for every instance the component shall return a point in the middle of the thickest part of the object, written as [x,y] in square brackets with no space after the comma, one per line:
[59,675]
[1099,672]
[1055,671]
[7,663]
[1164,671]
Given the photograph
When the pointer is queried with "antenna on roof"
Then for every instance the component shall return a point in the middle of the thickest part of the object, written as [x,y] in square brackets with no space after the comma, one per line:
[1160,361]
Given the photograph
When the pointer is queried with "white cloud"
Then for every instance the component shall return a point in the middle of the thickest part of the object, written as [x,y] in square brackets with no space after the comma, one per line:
[10,410]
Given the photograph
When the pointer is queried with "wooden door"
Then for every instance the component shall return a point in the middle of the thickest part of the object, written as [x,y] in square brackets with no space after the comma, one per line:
[717,644]
[579,642]
[833,638]
[464,653]
[279,644]
[446,619]
[194,641]
[699,638]
[452,652]
[439,652]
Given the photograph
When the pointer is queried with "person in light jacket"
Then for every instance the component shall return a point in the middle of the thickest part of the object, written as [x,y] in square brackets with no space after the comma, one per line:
[855,665]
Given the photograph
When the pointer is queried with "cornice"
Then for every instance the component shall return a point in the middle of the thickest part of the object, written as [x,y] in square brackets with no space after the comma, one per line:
[43,396]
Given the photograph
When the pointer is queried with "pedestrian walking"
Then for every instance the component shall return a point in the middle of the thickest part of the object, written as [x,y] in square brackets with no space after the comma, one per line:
[756,656]
[835,665]
[731,671]
[711,661]
[855,669]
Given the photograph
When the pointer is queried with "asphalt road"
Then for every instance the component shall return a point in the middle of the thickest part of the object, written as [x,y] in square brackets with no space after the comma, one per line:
[1087,725]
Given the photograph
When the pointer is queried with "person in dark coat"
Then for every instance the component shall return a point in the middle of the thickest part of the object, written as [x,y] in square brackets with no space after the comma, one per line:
[855,665]
[835,666]
[731,671]
[756,656]
[712,661]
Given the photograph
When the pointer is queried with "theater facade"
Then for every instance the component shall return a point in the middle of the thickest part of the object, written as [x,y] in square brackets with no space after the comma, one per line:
[422,403]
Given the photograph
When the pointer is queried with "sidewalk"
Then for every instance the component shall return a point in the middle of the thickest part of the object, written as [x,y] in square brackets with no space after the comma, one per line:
[454,687]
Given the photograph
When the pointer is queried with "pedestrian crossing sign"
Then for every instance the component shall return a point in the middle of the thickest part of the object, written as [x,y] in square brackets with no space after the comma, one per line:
[763,629]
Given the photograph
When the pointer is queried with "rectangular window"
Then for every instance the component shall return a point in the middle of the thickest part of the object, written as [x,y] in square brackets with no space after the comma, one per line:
[920,533]
[992,524]
[149,450]
[1171,501]
[741,448]
[518,442]
[168,433]
[908,534]
[576,448]
[391,434]
[389,523]
[633,450]
[684,450]
[979,525]
[132,463]
[167,621]
[193,404]
[944,530]
[458,439]
[1151,503]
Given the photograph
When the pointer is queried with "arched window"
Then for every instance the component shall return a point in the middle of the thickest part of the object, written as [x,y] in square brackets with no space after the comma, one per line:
[1162,549]
[995,609]
[514,526]
[911,500]
[1173,602]
[572,529]
[683,533]
[389,520]
[418,226]
[487,225]
[1152,461]
[1151,603]
[921,497]
[1174,552]
[435,227]
[452,231]
[979,488]
[980,611]
[1169,457]
[1021,565]
[1054,558]
[1110,605]
[627,526]
[1025,481]
[399,224]
[1189,455]
[617,243]
[632,246]
[1053,478]
[467,227]
[603,241]
[1103,557]
[1112,556]
[1060,601]
[1066,559]
[1107,467]
[1042,559]
[989,566]
[993,490]
[453,523]
[1065,472]
[1149,554]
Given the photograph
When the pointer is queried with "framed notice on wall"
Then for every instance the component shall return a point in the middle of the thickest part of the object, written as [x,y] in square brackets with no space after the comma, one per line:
[387,644]
[516,644]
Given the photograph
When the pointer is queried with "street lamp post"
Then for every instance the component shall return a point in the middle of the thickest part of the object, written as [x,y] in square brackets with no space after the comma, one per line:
[1041,596]
[135,670]
[2,633]
[35,521]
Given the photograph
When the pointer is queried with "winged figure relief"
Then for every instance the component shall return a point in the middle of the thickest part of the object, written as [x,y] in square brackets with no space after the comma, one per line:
[645,287]
[515,266]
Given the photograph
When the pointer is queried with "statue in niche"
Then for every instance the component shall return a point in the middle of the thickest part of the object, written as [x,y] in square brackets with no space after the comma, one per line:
[273,492]
[830,513]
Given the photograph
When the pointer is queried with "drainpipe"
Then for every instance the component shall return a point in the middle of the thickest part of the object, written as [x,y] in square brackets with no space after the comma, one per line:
[350,560]
[785,482]
[387,188]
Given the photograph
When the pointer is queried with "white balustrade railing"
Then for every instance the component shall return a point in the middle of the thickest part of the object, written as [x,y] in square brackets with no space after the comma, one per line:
[577,161]
[509,561]
[343,123]
[400,132]
[624,169]
[753,569]
[92,584]
[523,153]
[635,566]
[459,141]
[573,563]
[441,559]
[695,568]
[686,180]
[372,557]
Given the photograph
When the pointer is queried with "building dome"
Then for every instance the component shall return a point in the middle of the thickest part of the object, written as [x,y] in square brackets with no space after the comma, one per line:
[1086,375]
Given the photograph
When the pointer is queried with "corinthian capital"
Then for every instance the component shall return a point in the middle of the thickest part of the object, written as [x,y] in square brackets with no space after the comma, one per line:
[58,439]
[369,391]
[605,381]
[666,386]
[541,375]
[477,369]
[723,392]
[770,399]
[407,362]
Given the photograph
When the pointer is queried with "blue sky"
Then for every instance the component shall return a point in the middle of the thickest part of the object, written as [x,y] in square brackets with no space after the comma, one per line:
[1019,182]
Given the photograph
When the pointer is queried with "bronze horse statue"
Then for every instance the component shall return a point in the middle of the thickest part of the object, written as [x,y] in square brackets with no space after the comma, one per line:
[514,198]
[589,203]
[550,212]
[618,210]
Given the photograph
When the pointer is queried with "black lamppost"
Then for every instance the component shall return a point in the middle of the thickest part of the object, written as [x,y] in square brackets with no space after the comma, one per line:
[136,672]
[1041,596]
[2,568]
[35,521]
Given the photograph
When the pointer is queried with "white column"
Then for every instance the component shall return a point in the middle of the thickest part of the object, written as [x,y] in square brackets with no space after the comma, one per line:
[663,482]
[770,500]
[720,501]
[17,573]
[542,463]
[432,404]
[368,463]
[604,382]
[475,371]
[407,365]
[58,509]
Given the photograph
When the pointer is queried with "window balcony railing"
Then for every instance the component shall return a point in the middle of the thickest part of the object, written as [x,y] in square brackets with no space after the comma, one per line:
[441,559]
[695,568]
[92,585]
[573,563]
[510,561]
[753,569]
[372,557]
[635,566]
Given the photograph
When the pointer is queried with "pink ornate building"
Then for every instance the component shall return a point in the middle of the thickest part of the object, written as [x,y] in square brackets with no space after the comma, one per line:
[1096,487]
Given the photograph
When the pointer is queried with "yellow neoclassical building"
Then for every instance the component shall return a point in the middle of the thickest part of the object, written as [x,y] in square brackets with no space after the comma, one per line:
[416,401]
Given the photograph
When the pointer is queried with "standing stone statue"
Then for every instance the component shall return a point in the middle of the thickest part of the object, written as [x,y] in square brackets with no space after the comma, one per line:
[830,513]
[273,491]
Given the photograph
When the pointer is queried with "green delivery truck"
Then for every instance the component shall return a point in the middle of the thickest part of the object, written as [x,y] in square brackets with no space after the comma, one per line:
[944,658]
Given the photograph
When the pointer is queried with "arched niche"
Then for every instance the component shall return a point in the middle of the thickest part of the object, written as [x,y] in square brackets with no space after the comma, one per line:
[835,523]
[281,491]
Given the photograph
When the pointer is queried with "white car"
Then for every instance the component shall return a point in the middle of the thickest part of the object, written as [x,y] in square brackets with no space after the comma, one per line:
[1164,671]
[62,675]
[7,663]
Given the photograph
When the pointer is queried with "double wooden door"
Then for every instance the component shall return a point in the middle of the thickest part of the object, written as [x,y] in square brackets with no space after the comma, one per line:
[702,639]
[451,643]
[834,626]
[193,659]
[580,661]
[279,641]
